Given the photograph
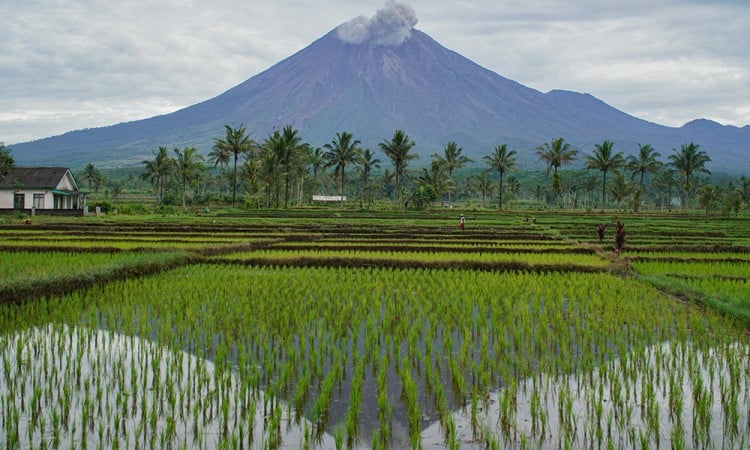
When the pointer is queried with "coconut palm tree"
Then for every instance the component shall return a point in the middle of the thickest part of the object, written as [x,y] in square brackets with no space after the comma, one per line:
[604,160]
[502,160]
[645,162]
[157,170]
[388,180]
[220,156]
[708,198]
[621,188]
[92,175]
[482,184]
[275,152]
[188,164]
[317,161]
[689,160]
[236,141]
[342,151]
[436,177]
[365,163]
[269,167]
[398,150]
[452,159]
[555,154]
[292,148]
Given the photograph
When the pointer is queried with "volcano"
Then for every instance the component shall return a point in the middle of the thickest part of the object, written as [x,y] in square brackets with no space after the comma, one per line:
[370,77]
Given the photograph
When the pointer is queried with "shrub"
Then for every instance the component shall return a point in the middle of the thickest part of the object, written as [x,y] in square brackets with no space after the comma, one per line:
[133,209]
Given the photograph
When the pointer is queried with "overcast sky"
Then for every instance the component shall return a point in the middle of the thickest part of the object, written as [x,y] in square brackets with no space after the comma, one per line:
[72,64]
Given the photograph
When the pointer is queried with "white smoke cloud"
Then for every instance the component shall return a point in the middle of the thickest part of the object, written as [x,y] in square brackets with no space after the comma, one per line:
[390,26]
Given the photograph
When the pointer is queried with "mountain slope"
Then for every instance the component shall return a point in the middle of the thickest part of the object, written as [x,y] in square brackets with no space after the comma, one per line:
[370,89]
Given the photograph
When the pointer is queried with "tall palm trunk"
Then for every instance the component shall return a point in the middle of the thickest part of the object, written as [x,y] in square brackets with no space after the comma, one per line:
[500,190]
[343,177]
[234,179]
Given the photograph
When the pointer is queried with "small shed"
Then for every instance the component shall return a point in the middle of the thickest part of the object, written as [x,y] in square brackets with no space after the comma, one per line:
[41,189]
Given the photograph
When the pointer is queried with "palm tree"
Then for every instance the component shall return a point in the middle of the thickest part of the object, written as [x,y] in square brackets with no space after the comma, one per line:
[317,161]
[292,146]
[435,177]
[220,156]
[187,165]
[251,171]
[269,167]
[365,163]
[604,160]
[342,151]
[645,162]
[482,184]
[236,141]
[92,175]
[708,198]
[388,179]
[157,170]
[397,149]
[621,188]
[275,152]
[663,182]
[688,161]
[555,154]
[452,159]
[502,160]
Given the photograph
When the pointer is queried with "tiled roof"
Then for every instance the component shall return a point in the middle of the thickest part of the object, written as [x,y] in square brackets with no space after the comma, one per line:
[33,177]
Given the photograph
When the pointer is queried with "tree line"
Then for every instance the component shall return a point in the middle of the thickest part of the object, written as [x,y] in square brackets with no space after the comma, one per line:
[273,173]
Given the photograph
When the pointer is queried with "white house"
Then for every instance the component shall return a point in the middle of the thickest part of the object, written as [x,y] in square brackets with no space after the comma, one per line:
[40,189]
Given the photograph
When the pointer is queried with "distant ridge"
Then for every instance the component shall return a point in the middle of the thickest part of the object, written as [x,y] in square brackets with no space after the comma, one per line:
[373,87]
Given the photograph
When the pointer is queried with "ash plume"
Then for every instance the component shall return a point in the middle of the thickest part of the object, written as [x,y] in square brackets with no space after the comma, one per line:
[390,26]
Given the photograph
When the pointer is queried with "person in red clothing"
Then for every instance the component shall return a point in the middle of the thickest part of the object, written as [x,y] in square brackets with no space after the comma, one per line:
[461,222]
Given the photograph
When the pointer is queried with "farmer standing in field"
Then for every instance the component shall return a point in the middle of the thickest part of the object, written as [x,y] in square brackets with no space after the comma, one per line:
[619,234]
[461,222]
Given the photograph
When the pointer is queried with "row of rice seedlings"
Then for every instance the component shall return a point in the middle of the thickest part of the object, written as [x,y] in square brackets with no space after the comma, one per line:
[22,268]
[647,228]
[509,245]
[688,256]
[737,291]
[280,256]
[122,237]
[694,268]
[278,330]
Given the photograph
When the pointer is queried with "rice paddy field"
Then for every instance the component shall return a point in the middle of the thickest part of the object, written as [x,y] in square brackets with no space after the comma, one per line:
[359,330]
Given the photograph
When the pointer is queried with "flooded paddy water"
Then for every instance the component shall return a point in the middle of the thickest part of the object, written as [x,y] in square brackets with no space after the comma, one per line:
[63,387]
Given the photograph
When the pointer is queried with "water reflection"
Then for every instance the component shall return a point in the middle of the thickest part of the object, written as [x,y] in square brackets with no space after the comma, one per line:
[74,387]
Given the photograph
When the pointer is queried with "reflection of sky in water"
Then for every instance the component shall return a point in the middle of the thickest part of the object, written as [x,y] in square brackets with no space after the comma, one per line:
[113,377]
[133,393]
[631,398]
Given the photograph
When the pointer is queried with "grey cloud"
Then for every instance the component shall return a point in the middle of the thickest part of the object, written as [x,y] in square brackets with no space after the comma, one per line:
[390,26]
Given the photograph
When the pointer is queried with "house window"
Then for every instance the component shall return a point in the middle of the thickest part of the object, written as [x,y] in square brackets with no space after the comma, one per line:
[39,201]
[19,201]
